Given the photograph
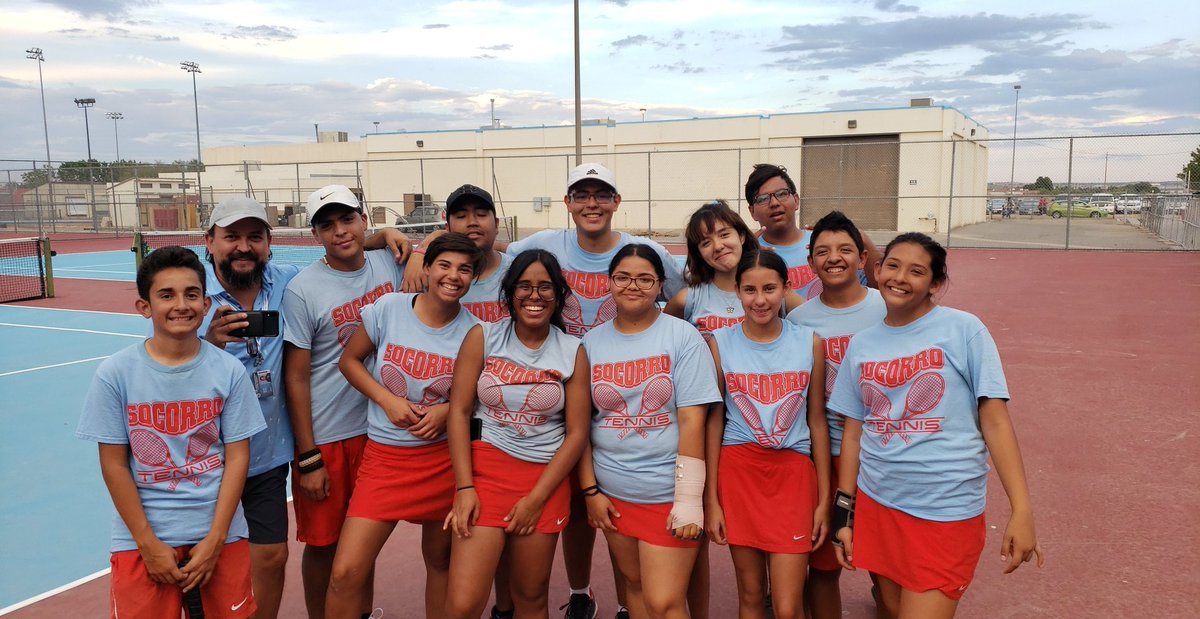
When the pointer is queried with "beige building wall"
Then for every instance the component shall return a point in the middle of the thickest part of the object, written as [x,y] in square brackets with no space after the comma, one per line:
[664,169]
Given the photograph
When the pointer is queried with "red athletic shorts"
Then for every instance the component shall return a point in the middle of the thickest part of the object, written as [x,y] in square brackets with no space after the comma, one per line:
[824,558]
[919,555]
[501,480]
[226,595]
[404,483]
[319,523]
[648,523]
[768,496]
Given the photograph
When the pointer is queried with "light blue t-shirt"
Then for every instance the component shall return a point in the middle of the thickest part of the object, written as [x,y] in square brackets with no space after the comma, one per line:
[795,256]
[837,326]
[638,383]
[323,308]
[176,421]
[710,308]
[483,299]
[275,445]
[521,394]
[916,390]
[587,274]
[412,359]
[766,387]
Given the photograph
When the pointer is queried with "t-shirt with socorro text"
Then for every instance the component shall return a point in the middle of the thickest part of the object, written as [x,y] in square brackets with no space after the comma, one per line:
[412,360]
[176,421]
[836,326]
[915,389]
[586,272]
[483,299]
[639,381]
[323,308]
[766,387]
[521,392]
[710,308]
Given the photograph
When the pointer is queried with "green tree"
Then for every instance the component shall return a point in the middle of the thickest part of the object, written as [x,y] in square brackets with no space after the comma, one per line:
[1042,184]
[1191,172]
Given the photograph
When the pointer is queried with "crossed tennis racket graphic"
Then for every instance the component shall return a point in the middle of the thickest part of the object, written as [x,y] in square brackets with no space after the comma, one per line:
[923,396]
[785,417]
[151,450]
[655,396]
[540,397]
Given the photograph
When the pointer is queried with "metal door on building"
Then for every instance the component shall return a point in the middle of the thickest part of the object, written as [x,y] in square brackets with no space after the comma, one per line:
[858,175]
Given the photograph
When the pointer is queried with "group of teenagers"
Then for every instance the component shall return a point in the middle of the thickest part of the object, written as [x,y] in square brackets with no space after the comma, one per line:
[796,395]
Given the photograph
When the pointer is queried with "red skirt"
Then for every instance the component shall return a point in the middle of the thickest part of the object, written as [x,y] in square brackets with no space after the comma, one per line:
[404,483]
[919,555]
[768,496]
[824,558]
[501,480]
[648,523]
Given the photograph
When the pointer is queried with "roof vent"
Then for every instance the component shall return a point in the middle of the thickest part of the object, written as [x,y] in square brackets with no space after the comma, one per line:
[925,102]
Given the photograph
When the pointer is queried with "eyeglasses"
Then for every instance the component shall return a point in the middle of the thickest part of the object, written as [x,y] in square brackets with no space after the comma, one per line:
[544,290]
[764,198]
[582,197]
[643,282]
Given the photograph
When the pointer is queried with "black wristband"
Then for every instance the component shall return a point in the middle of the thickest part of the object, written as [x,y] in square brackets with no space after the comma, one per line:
[315,466]
[591,491]
[308,454]
[843,514]
[461,488]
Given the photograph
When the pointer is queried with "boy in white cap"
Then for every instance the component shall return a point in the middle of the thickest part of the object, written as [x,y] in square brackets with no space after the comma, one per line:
[242,277]
[329,417]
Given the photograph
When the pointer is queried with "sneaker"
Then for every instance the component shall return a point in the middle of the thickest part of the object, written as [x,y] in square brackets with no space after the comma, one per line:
[580,606]
[501,614]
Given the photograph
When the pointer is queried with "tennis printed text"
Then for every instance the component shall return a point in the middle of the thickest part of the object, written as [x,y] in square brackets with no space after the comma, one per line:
[896,372]
[174,418]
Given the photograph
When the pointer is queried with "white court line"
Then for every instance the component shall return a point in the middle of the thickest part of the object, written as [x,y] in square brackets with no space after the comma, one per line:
[9,324]
[90,270]
[107,264]
[55,591]
[65,309]
[53,365]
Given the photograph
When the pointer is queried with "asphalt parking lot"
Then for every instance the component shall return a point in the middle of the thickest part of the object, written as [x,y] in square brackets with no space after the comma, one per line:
[1044,232]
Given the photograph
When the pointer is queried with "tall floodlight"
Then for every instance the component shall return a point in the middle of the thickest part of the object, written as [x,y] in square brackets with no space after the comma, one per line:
[115,116]
[85,104]
[578,105]
[194,68]
[112,171]
[35,53]
[1012,171]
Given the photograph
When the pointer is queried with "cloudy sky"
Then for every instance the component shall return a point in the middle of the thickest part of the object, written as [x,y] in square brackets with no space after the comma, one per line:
[270,69]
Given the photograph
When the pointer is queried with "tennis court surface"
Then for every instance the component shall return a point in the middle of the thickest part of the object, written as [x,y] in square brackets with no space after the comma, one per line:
[1100,354]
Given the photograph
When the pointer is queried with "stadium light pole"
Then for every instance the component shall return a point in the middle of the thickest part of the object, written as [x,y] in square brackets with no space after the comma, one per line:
[115,116]
[194,68]
[35,53]
[578,106]
[1012,171]
[85,104]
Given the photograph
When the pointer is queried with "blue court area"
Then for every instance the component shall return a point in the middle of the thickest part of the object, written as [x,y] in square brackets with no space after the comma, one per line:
[56,521]
[111,266]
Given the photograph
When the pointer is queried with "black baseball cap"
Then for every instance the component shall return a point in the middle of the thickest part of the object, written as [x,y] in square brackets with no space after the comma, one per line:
[460,197]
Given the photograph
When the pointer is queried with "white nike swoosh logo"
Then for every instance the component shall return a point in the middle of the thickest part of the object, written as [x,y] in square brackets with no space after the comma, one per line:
[560,521]
[796,538]
[239,604]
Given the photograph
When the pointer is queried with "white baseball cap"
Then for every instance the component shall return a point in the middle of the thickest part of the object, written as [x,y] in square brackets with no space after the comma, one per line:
[236,208]
[591,170]
[331,194]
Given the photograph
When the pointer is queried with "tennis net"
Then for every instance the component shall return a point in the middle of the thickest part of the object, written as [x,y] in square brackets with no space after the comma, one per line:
[25,271]
[288,245]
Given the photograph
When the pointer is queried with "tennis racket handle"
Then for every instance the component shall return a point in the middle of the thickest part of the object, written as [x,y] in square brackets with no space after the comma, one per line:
[193,606]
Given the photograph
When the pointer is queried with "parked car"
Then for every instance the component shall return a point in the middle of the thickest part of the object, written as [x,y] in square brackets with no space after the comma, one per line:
[1108,207]
[995,206]
[432,218]
[1028,206]
[1058,210]
[1129,205]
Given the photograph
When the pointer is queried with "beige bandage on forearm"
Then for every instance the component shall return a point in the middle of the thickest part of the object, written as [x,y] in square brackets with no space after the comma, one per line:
[689,493]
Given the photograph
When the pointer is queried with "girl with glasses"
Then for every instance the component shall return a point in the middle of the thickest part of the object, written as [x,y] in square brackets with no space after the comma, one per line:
[526,382]
[643,473]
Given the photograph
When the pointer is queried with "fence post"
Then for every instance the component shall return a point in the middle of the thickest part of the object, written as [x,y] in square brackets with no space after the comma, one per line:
[421,161]
[91,172]
[649,221]
[737,185]
[137,200]
[1070,172]
[950,203]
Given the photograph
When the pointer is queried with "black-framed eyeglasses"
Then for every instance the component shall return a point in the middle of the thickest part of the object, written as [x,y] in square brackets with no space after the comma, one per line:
[524,290]
[764,198]
[643,282]
[582,197]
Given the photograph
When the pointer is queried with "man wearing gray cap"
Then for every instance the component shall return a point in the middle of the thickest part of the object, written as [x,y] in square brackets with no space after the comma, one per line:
[242,277]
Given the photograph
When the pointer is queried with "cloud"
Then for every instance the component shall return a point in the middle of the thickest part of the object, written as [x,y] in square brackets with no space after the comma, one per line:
[631,41]
[894,6]
[679,67]
[619,2]
[99,8]
[262,33]
[435,26]
[484,57]
[502,47]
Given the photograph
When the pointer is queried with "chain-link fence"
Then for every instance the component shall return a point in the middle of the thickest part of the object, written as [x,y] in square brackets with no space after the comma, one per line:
[1093,192]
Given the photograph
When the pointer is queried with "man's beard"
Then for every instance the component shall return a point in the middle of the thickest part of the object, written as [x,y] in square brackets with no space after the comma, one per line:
[238,280]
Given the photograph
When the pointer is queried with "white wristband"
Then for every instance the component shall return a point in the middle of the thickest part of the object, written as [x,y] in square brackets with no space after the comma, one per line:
[689,493]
